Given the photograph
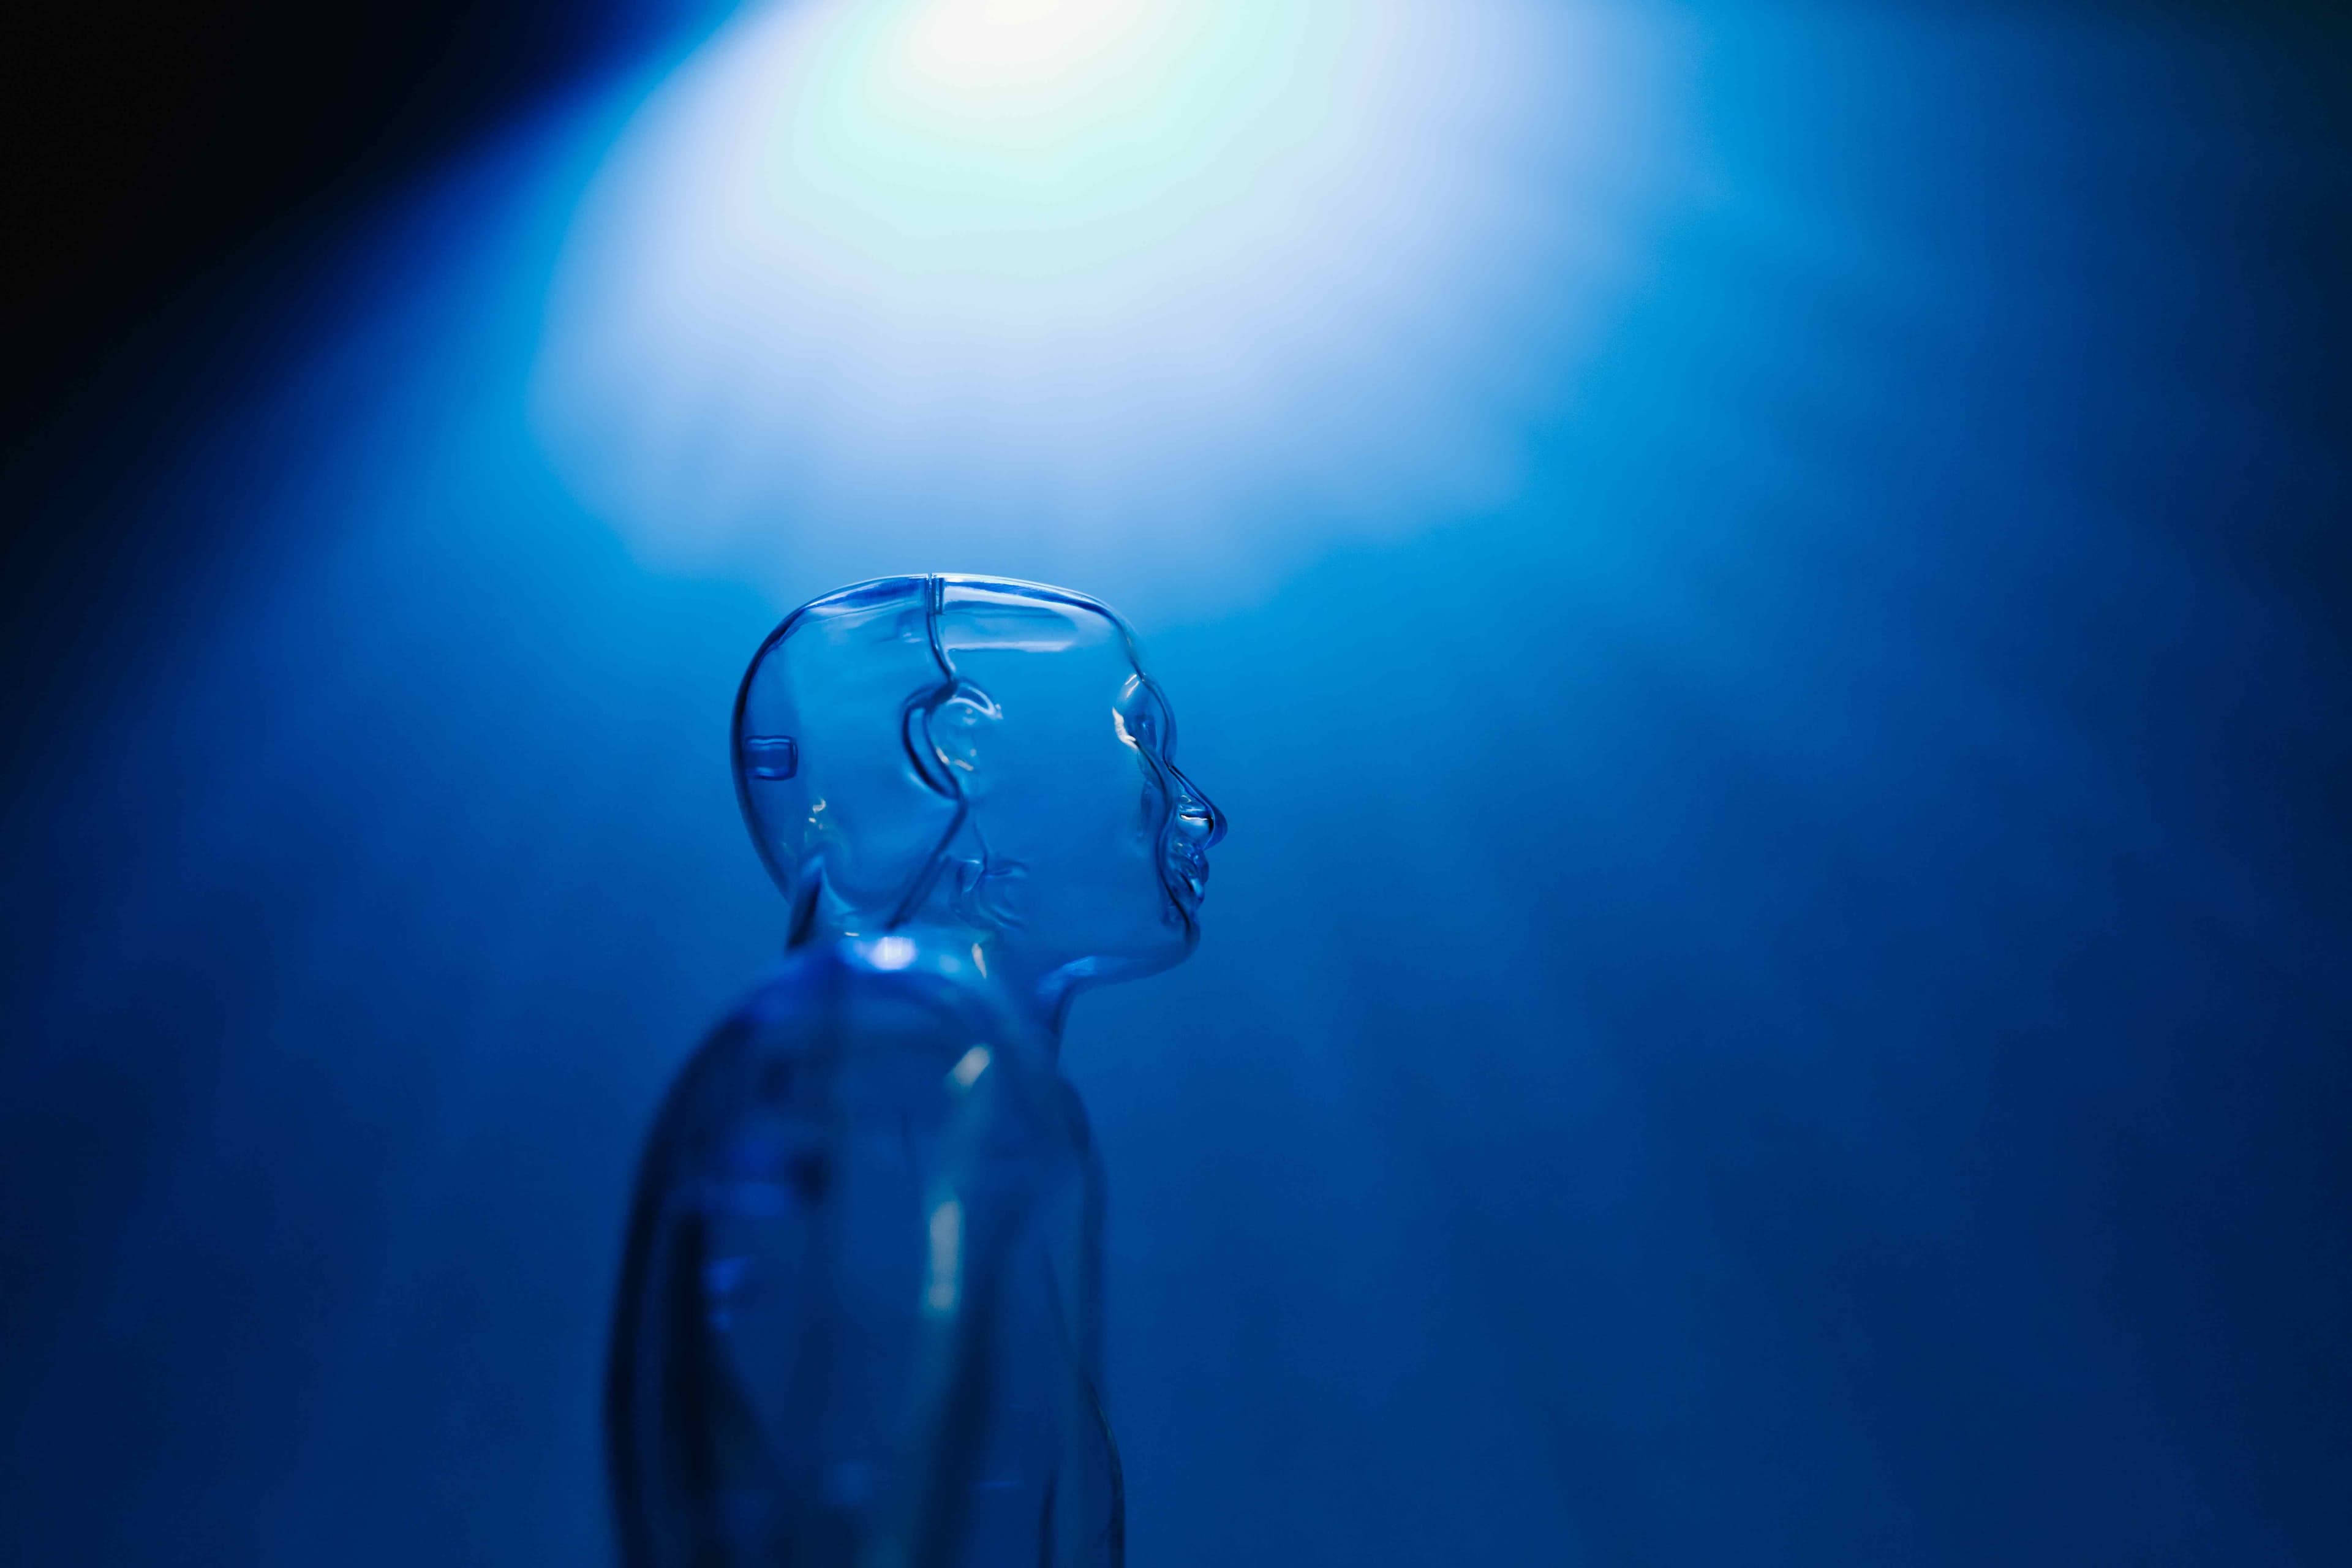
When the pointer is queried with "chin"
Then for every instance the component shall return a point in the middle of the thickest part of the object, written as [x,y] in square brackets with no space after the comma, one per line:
[1180,934]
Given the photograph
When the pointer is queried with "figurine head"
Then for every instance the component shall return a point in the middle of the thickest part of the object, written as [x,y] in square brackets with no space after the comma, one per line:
[977,753]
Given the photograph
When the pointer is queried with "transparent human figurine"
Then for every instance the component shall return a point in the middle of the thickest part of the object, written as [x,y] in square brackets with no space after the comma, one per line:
[857,1322]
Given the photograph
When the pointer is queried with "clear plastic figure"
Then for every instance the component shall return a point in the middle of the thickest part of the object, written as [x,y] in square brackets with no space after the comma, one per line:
[857,1317]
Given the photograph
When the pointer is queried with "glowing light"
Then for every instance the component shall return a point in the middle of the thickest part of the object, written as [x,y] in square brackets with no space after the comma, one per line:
[891,951]
[1089,284]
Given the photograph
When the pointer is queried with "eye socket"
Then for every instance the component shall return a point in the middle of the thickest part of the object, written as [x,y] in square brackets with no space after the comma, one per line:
[1142,718]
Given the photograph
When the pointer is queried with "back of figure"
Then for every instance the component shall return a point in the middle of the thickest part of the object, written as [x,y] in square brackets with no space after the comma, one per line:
[856,1317]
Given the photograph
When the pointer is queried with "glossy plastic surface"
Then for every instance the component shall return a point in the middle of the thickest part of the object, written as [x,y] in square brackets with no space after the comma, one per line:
[858,1321]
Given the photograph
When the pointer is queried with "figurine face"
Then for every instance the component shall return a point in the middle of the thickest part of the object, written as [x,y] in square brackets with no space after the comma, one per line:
[1087,847]
[980,750]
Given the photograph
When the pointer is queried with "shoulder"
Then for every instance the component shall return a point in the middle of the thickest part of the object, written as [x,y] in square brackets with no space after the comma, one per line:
[819,1029]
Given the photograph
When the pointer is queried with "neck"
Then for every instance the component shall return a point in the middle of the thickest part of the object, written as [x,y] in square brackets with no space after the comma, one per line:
[964,954]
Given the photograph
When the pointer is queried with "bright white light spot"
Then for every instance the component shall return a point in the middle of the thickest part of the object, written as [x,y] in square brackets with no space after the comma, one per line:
[1144,294]
[969,1067]
[891,951]
[947,1256]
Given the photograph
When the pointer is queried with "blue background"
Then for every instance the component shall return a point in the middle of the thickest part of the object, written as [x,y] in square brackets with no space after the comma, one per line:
[1780,996]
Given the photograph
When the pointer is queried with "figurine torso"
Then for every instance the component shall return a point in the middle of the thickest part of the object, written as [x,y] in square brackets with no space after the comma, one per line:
[857,1321]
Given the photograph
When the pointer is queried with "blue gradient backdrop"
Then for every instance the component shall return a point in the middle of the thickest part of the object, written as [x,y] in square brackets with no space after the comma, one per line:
[1778,992]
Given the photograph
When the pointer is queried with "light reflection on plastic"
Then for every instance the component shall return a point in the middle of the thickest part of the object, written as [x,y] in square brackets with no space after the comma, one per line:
[1089,282]
[969,1067]
[947,1256]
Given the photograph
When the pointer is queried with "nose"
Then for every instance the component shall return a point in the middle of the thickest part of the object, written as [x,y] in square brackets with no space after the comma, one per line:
[1199,819]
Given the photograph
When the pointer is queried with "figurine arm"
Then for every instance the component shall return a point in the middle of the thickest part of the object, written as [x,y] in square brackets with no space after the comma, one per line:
[675,1424]
[1006,1378]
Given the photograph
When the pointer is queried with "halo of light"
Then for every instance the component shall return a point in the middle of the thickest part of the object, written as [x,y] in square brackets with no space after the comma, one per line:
[1093,289]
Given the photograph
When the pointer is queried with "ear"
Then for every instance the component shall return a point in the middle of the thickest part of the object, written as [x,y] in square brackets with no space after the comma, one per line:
[957,729]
